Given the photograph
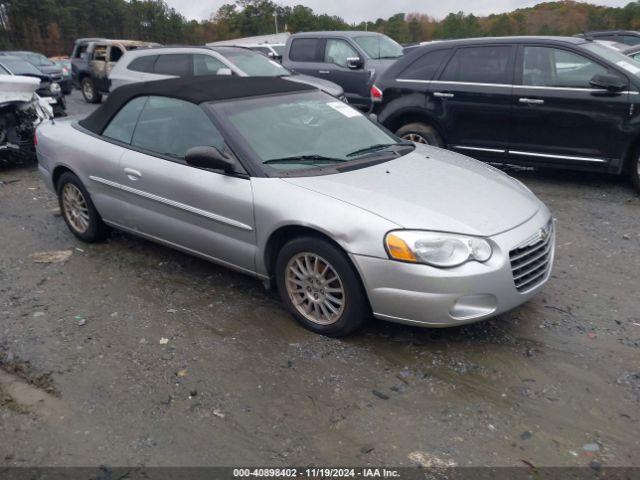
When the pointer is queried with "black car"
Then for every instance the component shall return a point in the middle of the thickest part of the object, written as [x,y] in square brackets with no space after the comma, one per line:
[48,89]
[46,66]
[560,102]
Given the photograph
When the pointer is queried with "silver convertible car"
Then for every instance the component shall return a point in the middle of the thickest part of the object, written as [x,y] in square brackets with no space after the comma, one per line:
[284,182]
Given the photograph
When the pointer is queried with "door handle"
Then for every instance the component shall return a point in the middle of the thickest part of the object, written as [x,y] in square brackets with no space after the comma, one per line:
[324,72]
[132,174]
[443,95]
[532,101]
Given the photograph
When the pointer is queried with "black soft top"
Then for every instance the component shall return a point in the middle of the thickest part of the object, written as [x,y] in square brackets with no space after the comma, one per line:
[191,89]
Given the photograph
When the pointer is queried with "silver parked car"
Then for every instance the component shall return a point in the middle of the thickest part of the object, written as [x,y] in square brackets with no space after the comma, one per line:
[161,63]
[283,182]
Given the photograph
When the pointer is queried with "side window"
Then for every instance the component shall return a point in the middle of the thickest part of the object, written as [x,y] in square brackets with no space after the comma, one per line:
[100,53]
[486,64]
[554,67]
[173,64]
[80,50]
[206,65]
[425,67]
[629,39]
[143,64]
[171,127]
[337,52]
[123,124]
[304,50]
[636,56]
[115,53]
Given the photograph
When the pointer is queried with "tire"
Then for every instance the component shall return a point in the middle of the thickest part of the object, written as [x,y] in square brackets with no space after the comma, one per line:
[78,210]
[314,312]
[634,170]
[420,133]
[89,91]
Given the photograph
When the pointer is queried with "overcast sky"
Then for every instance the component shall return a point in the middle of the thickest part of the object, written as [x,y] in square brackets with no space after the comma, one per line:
[359,10]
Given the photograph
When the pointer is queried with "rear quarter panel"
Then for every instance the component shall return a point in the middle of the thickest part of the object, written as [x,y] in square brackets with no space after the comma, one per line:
[62,145]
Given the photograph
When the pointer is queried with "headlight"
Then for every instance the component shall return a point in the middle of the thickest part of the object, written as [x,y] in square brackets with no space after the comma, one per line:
[55,88]
[436,249]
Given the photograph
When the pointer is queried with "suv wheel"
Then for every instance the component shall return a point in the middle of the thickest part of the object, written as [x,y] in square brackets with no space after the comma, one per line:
[89,91]
[420,133]
[78,210]
[320,287]
[634,171]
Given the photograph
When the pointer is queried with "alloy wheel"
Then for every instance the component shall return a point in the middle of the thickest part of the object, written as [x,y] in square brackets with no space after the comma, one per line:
[75,208]
[415,138]
[315,288]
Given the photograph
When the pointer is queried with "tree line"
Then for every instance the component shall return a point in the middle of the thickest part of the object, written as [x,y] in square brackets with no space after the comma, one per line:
[51,26]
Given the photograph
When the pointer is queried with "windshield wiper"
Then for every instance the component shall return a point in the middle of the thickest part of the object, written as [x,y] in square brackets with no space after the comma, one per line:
[379,146]
[304,159]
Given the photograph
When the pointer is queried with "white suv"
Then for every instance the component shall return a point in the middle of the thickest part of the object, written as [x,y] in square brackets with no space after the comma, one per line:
[169,62]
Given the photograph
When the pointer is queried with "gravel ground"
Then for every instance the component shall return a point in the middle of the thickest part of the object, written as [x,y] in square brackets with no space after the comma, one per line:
[129,353]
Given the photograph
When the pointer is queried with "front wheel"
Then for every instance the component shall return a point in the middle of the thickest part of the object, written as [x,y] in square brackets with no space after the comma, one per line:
[320,287]
[78,210]
[89,91]
[420,133]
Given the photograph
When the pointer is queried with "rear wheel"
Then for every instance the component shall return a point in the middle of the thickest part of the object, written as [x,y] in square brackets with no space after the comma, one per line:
[78,210]
[634,171]
[320,287]
[420,133]
[89,91]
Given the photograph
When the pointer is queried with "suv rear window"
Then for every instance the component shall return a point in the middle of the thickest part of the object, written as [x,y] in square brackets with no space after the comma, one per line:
[304,50]
[486,64]
[425,67]
[143,64]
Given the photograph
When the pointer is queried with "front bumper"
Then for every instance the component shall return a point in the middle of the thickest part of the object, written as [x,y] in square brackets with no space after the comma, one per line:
[434,297]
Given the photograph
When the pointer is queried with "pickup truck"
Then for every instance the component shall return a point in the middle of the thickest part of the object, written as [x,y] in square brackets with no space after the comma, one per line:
[92,60]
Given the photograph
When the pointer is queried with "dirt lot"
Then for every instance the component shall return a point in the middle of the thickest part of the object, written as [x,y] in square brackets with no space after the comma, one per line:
[129,353]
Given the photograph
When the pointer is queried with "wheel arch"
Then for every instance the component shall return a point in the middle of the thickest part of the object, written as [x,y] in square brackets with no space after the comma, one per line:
[58,171]
[406,116]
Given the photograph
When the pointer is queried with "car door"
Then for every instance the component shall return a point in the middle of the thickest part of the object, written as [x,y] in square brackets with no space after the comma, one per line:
[305,56]
[473,97]
[200,211]
[338,66]
[558,117]
[98,66]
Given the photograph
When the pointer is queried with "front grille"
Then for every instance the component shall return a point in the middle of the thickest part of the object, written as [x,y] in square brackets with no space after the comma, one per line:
[56,78]
[530,263]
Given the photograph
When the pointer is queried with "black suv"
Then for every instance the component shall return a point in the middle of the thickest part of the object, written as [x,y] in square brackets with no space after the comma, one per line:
[542,101]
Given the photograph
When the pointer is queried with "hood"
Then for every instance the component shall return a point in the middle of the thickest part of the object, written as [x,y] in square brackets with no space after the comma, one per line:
[433,189]
[53,70]
[17,88]
[324,85]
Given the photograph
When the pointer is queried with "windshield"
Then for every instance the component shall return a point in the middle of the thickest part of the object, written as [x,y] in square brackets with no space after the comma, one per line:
[379,46]
[20,67]
[39,60]
[303,130]
[629,64]
[255,64]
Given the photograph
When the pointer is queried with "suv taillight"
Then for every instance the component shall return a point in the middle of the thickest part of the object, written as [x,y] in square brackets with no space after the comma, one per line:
[376,94]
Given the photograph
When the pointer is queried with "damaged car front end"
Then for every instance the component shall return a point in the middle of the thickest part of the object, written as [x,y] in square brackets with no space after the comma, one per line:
[21,111]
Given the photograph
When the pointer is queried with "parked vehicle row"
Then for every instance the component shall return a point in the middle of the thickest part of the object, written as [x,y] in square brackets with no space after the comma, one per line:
[560,102]
[281,181]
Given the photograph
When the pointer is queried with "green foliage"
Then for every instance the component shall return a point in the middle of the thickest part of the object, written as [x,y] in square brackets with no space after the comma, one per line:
[51,26]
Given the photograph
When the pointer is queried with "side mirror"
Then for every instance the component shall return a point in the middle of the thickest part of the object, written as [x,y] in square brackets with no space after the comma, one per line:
[224,71]
[355,63]
[209,157]
[612,83]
